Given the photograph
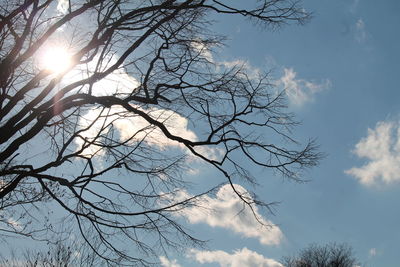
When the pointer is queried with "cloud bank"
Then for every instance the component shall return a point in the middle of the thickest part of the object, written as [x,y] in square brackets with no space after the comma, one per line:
[381,148]
[238,258]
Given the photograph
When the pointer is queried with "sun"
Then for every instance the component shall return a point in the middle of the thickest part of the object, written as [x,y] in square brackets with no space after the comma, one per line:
[56,59]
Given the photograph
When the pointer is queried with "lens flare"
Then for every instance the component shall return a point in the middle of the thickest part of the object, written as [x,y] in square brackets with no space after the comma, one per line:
[56,59]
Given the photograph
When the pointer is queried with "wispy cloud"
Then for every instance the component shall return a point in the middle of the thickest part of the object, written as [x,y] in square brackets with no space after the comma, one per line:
[203,51]
[238,258]
[168,263]
[354,6]
[360,31]
[251,71]
[14,224]
[226,210]
[300,91]
[372,252]
[381,148]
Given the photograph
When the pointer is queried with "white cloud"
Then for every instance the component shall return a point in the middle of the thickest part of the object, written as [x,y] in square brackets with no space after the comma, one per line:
[133,128]
[203,50]
[129,126]
[63,6]
[360,31]
[251,71]
[238,258]
[226,210]
[167,263]
[372,252]
[300,91]
[120,83]
[381,148]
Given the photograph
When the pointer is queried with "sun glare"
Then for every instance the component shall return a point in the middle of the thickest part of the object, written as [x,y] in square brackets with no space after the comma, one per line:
[56,59]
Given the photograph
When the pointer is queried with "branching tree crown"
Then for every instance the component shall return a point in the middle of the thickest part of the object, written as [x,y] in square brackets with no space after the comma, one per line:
[104,104]
[331,255]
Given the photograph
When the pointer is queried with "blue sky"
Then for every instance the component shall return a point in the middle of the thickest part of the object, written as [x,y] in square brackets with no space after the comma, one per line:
[343,68]
[340,74]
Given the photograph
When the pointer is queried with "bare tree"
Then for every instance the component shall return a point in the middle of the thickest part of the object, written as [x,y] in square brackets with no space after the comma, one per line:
[106,104]
[68,252]
[331,255]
